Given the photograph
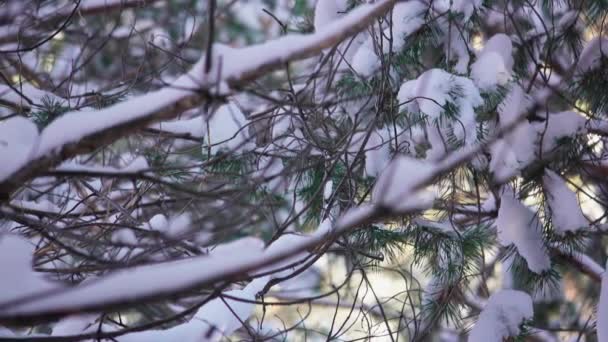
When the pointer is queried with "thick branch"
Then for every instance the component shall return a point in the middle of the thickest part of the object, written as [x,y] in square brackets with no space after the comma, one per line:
[107,125]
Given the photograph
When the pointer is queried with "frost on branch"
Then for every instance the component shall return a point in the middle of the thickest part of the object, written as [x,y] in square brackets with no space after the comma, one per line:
[502,316]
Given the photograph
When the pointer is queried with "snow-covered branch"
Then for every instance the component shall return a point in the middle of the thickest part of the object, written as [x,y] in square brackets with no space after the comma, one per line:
[83,131]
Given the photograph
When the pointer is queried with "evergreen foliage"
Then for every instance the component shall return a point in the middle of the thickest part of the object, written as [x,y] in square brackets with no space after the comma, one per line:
[490,98]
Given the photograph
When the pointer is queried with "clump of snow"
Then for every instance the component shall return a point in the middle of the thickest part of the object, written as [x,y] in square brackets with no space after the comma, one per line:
[457,43]
[227,129]
[489,70]
[517,150]
[248,13]
[158,223]
[521,145]
[432,91]
[328,190]
[326,11]
[303,285]
[365,61]
[494,63]
[191,26]
[566,213]
[270,170]
[522,138]
[16,263]
[179,225]
[227,317]
[288,241]
[281,123]
[160,37]
[18,141]
[501,44]
[174,227]
[124,236]
[503,164]
[502,316]
[521,141]
[407,18]
[514,105]
[397,187]
[449,335]
[592,54]
[517,224]
[377,153]
[466,7]
[560,125]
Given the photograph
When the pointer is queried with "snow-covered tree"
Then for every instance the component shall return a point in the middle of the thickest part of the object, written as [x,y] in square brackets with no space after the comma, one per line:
[421,170]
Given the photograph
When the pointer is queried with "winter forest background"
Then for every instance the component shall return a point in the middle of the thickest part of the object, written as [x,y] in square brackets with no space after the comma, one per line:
[301,170]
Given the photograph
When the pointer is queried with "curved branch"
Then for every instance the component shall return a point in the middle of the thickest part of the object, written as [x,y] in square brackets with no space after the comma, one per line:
[82,132]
